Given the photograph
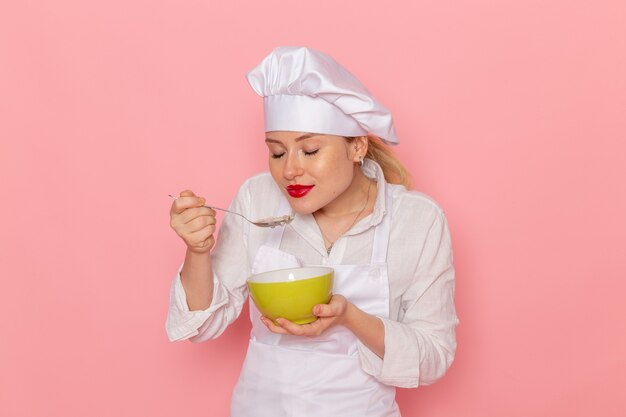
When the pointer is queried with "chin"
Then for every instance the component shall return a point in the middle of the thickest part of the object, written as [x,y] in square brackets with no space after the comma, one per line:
[302,207]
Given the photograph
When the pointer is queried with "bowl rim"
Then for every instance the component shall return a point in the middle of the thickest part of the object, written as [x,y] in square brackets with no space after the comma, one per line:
[323,270]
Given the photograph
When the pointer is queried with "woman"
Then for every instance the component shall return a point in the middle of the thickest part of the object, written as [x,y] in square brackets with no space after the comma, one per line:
[391,319]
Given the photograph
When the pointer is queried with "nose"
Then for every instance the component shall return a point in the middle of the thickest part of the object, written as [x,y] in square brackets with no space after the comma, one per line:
[293,167]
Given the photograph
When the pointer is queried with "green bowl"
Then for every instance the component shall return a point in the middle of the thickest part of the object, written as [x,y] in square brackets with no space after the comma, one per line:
[291,293]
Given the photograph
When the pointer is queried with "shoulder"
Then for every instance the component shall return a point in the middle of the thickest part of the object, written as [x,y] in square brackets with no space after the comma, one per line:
[418,224]
[414,202]
[416,214]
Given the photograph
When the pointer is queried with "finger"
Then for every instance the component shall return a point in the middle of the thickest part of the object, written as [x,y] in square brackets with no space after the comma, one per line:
[201,235]
[202,242]
[195,238]
[293,328]
[326,310]
[186,223]
[313,329]
[335,307]
[195,212]
[183,203]
[272,327]
[200,223]
[187,193]
[191,214]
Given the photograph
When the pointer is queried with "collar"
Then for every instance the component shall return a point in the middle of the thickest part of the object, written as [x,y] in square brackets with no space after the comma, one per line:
[372,170]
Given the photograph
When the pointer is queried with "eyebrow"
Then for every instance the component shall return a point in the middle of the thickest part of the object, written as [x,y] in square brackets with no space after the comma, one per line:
[298,139]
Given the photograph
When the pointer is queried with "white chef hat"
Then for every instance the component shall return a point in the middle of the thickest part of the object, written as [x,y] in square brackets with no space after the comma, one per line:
[305,90]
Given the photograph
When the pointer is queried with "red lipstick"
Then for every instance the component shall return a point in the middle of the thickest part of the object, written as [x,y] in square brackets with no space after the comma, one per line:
[298,190]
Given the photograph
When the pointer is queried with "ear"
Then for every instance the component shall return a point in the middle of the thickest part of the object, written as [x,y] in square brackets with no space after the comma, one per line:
[360,145]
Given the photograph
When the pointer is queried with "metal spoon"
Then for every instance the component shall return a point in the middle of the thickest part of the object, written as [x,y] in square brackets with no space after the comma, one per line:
[269,222]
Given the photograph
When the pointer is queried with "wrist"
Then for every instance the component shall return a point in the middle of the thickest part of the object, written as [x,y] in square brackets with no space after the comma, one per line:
[198,253]
[193,257]
[350,315]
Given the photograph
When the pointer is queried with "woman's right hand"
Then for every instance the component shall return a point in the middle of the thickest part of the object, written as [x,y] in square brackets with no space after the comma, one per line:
[194,223]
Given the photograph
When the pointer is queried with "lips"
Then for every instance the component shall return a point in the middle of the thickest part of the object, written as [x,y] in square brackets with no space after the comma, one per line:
[298,190]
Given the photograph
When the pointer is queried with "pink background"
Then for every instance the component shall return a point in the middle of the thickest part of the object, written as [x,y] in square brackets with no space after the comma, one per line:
[512,116]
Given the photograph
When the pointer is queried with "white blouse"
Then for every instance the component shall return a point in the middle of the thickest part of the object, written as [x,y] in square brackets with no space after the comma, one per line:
[420,340]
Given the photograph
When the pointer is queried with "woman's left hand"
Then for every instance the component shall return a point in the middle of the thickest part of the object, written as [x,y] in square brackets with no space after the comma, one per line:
[328,315]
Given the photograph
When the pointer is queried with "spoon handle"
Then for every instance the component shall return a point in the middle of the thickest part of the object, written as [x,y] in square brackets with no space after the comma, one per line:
[231,212]
[267,223]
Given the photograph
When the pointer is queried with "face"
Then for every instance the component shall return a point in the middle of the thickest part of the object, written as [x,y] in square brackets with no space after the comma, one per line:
[311,170]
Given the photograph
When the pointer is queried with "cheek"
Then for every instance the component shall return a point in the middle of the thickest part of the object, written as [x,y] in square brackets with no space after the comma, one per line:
[275,169]
[337,174]
[338,167]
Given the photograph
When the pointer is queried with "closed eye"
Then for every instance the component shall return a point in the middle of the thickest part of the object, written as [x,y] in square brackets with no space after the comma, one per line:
[280,155]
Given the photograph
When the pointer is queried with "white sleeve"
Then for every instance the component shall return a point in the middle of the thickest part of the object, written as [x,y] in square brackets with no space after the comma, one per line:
[421,346]
[230,269]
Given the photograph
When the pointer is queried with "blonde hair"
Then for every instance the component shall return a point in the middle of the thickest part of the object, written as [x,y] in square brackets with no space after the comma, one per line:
[395,172]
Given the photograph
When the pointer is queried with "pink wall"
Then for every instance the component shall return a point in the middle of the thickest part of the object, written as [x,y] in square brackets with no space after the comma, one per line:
[512,115]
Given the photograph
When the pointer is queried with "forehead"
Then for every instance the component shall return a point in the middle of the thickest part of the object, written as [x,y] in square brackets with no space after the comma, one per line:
[288,136]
